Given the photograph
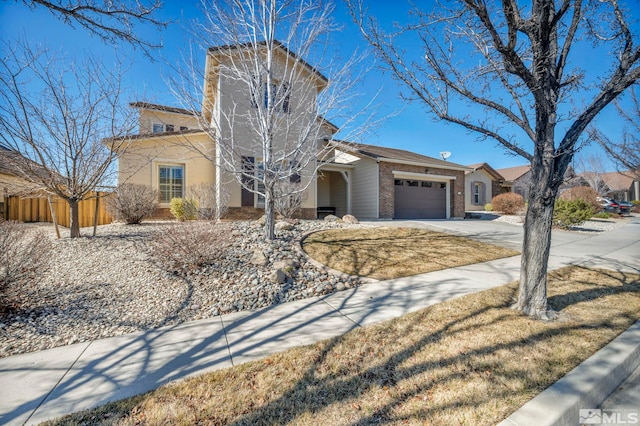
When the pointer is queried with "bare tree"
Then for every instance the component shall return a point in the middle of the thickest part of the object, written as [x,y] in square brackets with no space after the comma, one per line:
[625,152]
[590,168]
[512,61]
[267,109]
[66,121]
[112,21]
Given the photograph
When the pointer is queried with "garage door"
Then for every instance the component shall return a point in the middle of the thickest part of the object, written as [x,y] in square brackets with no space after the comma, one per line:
[420,199]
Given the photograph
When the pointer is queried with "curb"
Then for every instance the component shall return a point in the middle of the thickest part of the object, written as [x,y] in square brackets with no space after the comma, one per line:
[584,387]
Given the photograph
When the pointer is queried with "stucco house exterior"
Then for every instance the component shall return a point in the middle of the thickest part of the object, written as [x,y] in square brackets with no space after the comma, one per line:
[482,183]
[516,179]
[364,180]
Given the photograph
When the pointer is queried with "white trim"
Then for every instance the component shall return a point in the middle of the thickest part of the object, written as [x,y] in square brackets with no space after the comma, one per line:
[335,167]
[421,176]
[430,165]
[155,176]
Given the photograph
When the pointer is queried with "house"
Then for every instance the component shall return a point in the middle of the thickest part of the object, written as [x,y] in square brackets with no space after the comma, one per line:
[171,154]
[516,179]
[620,186]
[12,181]
[482,183]
[389,183]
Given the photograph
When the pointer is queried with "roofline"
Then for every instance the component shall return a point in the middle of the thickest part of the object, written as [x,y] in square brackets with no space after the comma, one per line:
[490,170]
[163,108]
[155,135]
[421,164]
[278,45]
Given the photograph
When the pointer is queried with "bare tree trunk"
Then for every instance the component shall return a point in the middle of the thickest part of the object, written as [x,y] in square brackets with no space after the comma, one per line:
[53,217]
[270,217]
[74,225]
[532,297]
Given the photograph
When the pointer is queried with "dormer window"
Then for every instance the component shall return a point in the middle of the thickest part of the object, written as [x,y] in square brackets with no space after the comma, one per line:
[157,128]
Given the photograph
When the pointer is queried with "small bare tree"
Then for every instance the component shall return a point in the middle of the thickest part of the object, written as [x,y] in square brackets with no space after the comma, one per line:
[626,151]
[266,108]
[590,168]
[211,203]
[514,63]
[66,121]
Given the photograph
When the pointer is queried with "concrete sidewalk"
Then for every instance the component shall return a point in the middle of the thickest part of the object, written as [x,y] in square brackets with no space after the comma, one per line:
[39,386]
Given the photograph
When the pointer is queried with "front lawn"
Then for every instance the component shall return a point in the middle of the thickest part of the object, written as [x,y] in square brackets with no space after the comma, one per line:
[470,360]
[385,253]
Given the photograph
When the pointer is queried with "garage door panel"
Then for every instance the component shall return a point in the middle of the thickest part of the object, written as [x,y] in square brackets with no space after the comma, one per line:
[420,202]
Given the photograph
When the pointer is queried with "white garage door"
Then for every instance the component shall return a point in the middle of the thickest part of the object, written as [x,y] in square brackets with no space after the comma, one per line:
[420,199]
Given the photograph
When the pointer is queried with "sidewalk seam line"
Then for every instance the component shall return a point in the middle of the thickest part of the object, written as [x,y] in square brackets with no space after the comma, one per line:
[226,339]
[341,313]
[75,361]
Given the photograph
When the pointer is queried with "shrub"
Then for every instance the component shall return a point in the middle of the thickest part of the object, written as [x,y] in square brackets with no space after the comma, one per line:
[183,209]
[24,254]
[569,213]
[602,215]
[186,247]
[287,199]
[508,203]
[586,193]
[488,207]
[207,206]
[131,203]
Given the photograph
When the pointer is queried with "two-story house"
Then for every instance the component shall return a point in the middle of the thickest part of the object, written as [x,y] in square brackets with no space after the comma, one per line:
[171,152]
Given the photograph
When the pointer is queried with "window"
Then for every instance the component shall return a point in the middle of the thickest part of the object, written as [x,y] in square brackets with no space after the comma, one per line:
[412,183]
[170,182]
[169,128]
[398,182]
[157,128]
[273,95]
[183,128]
[426,184]
[477,193]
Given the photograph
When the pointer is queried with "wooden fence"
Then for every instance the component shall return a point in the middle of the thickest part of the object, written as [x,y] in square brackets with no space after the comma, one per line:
[37,210]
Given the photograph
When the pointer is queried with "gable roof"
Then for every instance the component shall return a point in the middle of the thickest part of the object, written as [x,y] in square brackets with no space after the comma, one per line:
[381,153]
[617,181]
[279,46]
[513,173]
[163,108]
[487,168]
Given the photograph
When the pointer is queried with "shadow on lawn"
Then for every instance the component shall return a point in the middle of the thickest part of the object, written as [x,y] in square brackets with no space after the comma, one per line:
[405,252]
[315,391]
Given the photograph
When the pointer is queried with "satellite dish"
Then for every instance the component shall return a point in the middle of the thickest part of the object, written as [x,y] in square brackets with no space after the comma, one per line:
[445,155]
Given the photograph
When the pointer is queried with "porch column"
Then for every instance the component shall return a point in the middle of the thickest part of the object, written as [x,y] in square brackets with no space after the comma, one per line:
[347,180]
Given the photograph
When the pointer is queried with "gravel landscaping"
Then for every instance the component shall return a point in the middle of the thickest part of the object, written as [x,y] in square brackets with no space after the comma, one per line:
[113,285]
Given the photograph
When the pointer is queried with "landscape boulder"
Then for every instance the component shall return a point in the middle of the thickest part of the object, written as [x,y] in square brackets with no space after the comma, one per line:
[331,218]
[348,218]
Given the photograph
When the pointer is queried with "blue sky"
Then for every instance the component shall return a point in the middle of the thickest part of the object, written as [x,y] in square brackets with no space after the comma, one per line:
[411,128]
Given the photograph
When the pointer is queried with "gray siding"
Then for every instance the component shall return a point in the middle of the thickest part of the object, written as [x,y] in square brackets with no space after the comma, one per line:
[365,189]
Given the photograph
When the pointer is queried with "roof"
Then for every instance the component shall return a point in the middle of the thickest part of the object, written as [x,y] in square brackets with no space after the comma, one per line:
[513,173]
[487,168]
[279,46]
[617,181]
[154,135]
[163,108]
[393,154]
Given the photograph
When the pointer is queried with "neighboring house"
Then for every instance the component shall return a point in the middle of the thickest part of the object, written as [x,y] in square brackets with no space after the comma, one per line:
[620,186]
[516,179]
[365,180]
[482,183]
[11,181]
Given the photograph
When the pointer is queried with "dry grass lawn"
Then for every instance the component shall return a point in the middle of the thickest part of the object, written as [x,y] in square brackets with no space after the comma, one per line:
[385,253]
[467,361]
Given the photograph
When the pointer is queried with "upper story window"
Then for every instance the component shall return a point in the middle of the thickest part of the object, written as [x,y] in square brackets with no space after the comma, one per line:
[161,127]
[275,95]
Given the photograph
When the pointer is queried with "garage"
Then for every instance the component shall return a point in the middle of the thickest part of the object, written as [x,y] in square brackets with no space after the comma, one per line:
[416,199]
